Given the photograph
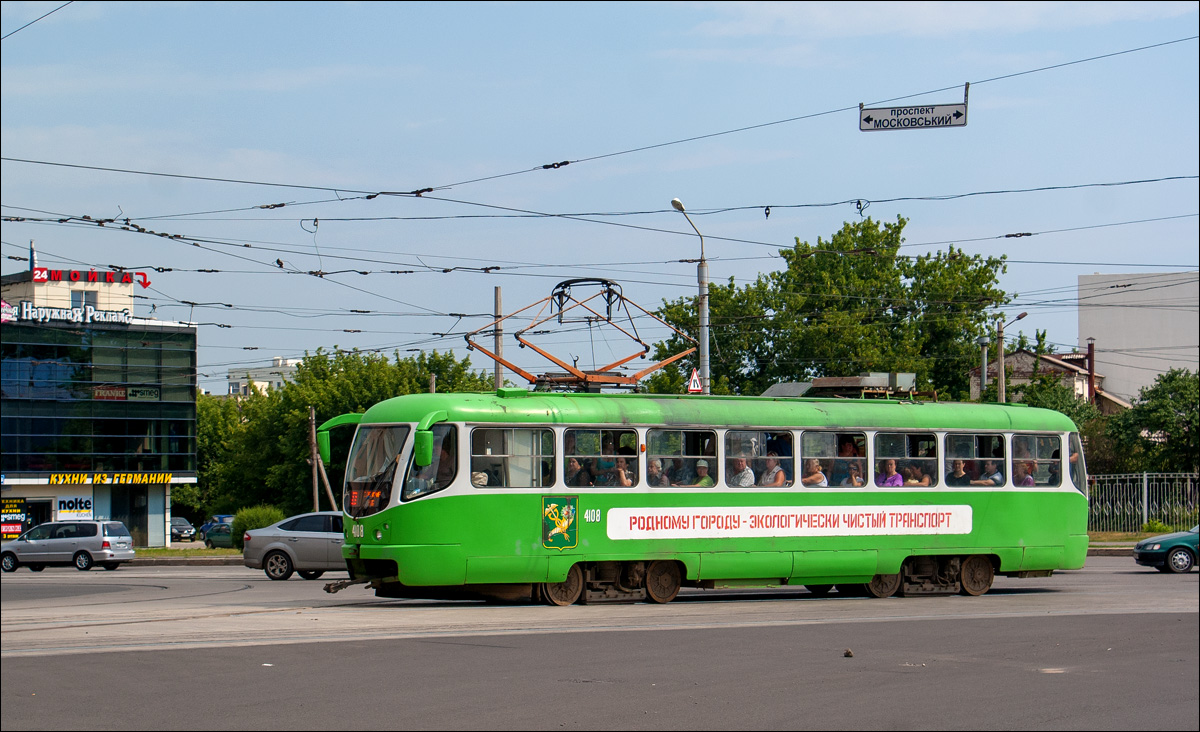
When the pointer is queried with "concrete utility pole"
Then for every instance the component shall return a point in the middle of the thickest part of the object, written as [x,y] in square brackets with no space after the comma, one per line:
[983,342]
[702,279]
[499,345]
[313,456]
[1001,375]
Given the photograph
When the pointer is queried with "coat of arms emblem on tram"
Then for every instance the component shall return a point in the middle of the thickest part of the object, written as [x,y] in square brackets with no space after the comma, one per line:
[558,522]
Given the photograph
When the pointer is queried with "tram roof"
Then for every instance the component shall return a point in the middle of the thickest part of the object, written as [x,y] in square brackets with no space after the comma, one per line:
[520,406]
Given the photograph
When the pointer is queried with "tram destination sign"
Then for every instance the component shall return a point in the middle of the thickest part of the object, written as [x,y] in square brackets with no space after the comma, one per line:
[930,116]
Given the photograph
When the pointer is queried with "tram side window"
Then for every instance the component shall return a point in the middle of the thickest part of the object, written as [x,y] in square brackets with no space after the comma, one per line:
[833,458]
[512,457]
[1076,465]
[758,458]
[975,460]
[600,457]
[440,473]
[1037,460]
[906,458]
[688,457]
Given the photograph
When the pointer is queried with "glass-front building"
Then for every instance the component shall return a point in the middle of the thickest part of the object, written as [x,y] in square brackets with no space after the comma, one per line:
[97,413]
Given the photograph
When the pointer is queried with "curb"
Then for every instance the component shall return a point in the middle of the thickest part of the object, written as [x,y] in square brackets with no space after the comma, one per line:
[187,561]
[1100,551]
[1110,551]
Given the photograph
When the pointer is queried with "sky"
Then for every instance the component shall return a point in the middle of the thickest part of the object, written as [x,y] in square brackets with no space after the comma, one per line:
[730,107]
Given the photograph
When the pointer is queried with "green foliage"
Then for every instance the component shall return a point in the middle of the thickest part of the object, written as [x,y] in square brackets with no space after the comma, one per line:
[1154,526]
[255,449]
[254,517]
[1161,430]
[839,308]
[1046,390]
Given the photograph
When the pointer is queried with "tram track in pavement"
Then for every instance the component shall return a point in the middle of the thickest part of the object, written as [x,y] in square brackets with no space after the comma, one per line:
[228,614]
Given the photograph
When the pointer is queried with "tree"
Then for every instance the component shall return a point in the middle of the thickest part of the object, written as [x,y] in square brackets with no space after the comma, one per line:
[842,307]
[255,449]
[1161,428]
[1045,388]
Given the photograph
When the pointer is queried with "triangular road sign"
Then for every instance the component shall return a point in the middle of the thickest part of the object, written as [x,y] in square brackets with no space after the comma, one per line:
[694,385]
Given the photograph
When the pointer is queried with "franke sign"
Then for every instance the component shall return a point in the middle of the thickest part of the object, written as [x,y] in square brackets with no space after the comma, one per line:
[43,275]
[912,118]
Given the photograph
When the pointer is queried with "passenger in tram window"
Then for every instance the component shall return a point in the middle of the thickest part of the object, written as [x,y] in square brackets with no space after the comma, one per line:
[990,475]
[854,475]
[813,474]
[1022,474]
[847,451]
[781,445]
[654,473]
[1055,470]
[577,475]
[445,468]
[915,475]
[957,475]
[603,467]
[887,475]
[678,473]
[621,474]
[740,474]
[773,475]
[703,479]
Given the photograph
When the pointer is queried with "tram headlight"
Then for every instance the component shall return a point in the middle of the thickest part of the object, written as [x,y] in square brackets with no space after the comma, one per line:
[378,535]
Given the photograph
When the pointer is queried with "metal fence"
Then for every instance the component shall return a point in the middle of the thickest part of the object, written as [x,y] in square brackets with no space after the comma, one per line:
[1127,502]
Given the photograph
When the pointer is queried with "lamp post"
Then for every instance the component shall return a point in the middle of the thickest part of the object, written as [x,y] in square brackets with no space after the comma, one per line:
[702,279]
[1000,375]
[983,342]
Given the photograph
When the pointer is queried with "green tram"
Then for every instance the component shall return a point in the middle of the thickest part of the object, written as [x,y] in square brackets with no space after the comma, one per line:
[570,498]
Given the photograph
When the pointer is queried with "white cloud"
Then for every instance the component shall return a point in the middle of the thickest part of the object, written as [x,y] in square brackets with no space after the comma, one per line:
[813,21]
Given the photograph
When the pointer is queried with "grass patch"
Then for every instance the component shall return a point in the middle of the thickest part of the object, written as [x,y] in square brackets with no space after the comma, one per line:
[1105,536]
[162,552]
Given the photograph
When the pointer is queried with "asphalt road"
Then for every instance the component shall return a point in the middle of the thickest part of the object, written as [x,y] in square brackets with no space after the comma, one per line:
[1111,646]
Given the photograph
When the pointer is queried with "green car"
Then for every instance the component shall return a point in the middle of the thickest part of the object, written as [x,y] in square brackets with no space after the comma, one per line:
[219,535]
[1169,552]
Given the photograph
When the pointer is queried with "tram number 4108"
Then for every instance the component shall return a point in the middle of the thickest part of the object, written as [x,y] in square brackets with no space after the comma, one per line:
[591,516]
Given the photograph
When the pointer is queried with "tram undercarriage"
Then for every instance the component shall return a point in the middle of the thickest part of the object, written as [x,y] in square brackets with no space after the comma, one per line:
[660,581]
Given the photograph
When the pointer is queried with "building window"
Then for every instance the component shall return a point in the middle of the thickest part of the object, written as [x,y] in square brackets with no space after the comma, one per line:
[81,298]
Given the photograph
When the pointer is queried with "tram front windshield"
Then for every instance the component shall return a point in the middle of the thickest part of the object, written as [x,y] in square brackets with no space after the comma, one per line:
[371,468]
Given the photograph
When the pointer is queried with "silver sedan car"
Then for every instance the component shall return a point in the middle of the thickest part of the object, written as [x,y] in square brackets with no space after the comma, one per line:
[309,544]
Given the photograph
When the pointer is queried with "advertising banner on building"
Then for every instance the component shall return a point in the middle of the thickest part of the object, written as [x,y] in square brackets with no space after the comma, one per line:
[74,508]
[14,517]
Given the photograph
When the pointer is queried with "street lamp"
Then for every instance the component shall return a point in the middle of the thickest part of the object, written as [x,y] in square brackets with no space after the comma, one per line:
[702,279]
[983,343]
[1000,375]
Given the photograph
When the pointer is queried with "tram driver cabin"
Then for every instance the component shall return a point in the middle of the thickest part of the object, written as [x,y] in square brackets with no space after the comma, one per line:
[591,497]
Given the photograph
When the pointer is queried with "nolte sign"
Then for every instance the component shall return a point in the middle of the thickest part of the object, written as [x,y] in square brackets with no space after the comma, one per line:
[912,118]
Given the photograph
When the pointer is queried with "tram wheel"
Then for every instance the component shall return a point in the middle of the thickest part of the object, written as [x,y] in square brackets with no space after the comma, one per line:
[566,592]
[884,585]
[976,575]
[662,581]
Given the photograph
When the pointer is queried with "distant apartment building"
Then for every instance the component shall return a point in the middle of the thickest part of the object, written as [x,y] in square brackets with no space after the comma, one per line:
[261,378]
[1143,325]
